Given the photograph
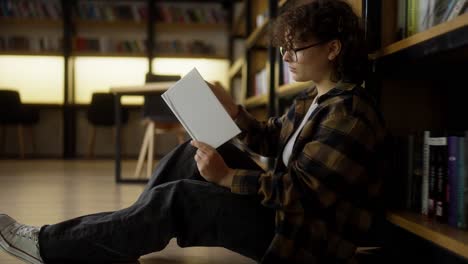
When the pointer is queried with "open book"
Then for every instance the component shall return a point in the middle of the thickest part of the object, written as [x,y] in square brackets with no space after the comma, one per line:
[197,108]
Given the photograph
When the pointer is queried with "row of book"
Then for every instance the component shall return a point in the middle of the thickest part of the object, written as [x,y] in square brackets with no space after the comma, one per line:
[112,11]
[138,11]
[435,165]
[37,9]
[31,44]
[419,15]
[185,47]
[105,44]
[208,14]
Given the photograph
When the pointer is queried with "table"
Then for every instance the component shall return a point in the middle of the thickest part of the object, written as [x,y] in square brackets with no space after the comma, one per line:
[130,90]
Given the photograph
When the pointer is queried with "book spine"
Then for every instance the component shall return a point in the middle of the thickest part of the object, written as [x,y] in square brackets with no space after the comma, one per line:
[401,22]
[440,197]
[461,221]
[457,9]
[410,170]
[425,180]
[417,172]
[465,187]
[449,9]
[411,17]
[452,146]
[433,163]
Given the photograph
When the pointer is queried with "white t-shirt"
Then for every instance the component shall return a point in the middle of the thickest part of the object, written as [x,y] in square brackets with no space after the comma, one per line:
[289,146]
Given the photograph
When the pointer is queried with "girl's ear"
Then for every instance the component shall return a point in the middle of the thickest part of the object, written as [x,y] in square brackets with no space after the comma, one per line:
[334,49]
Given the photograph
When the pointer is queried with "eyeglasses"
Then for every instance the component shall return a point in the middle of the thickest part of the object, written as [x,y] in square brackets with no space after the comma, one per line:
[293,52]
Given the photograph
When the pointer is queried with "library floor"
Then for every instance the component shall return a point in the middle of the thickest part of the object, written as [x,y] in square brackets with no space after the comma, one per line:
[42,192]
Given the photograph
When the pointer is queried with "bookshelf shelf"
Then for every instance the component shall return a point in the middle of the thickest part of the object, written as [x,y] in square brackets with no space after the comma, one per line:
[452,239]
[256,101]
[170,27]
[434,34]
[235,69]
[260,32]
[30,53]
[293,88]
[191,56]
[109,54]
[110,24]
[257,34]
[30,22]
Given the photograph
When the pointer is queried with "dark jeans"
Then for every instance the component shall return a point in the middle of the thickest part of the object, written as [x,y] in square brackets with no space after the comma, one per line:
[177,202]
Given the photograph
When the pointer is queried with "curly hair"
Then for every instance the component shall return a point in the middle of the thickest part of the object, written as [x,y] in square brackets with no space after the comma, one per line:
[326,20]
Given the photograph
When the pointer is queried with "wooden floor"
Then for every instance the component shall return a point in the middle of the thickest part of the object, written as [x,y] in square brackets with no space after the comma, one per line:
[42,192]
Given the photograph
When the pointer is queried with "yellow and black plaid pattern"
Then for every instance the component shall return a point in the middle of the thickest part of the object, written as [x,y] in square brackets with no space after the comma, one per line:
[325,199]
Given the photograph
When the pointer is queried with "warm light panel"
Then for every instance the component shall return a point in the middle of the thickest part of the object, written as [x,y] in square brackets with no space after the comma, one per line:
[98,74]
[38,79]
[211,69]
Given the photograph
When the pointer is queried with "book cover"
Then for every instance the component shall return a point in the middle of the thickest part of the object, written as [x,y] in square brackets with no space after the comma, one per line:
[197,108]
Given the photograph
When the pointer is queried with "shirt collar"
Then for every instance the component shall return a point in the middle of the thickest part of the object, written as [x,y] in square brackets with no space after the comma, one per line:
[340,88]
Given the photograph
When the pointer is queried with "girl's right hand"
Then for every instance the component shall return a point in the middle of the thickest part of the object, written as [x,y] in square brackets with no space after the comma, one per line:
[225,99]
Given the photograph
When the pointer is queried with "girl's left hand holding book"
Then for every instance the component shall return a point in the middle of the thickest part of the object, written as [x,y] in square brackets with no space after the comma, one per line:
[211,165]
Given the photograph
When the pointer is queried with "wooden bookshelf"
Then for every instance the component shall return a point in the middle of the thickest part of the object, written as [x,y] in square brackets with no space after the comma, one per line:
[236,68]
[293,88]
[452,239]
[255,101]
[30,22]
[109,54]
[432,33]
[191,56]
[170,27]
[238,26]
[257,34]
[111,24]
[30,53]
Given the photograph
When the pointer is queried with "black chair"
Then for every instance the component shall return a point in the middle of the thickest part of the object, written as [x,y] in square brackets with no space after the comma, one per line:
[14,113]
[158,119]
[101,113]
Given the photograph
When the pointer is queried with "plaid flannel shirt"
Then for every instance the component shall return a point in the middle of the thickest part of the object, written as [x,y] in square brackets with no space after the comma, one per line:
[326,198]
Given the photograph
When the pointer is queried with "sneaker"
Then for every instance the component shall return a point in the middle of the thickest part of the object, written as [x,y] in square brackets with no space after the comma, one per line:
[19,240]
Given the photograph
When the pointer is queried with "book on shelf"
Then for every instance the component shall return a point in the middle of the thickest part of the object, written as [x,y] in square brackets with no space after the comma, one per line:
[112,11]
[177,46]
[31,9]
[106,44]
[196,107]
[415,16]
[435,184]
[31,43]
[189,13]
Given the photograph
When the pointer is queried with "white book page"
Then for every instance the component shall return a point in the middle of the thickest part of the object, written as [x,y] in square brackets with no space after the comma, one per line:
[199,111]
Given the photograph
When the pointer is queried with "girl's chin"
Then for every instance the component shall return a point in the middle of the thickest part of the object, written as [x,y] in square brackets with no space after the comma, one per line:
[299,78]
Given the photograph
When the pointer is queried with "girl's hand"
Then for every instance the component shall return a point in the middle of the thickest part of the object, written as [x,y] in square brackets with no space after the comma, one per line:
[211,165]
[225,99]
